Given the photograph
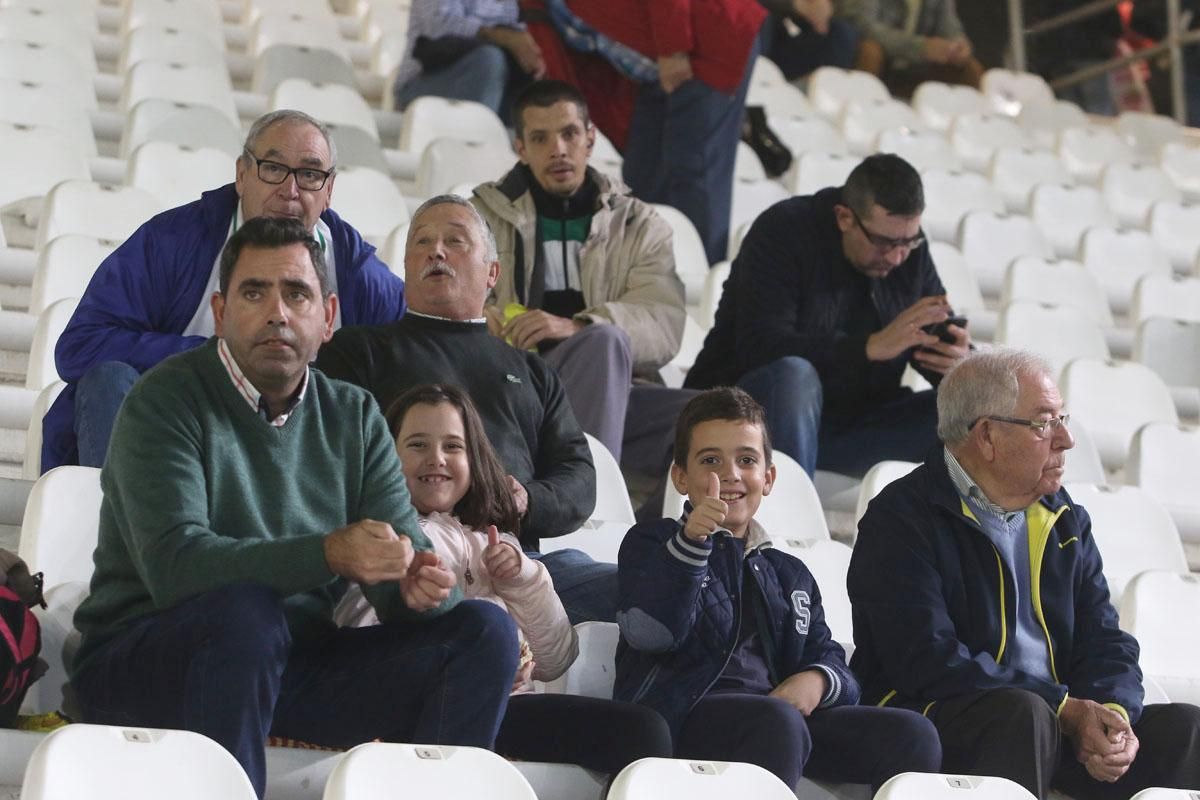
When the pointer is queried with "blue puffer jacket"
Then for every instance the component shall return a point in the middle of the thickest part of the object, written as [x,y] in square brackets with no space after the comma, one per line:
[933,611]
[680,611]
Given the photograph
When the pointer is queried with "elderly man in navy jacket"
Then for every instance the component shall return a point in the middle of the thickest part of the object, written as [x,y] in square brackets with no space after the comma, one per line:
[979,598]
[826,303]
[150,298]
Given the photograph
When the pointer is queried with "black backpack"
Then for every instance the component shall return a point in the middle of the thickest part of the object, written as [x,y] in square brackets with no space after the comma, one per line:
[20,635]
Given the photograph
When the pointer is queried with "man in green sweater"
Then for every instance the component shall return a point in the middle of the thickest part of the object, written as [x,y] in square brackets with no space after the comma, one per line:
[241,491]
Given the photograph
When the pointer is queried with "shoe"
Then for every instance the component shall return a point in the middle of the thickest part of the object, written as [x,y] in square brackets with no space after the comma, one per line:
[774,155]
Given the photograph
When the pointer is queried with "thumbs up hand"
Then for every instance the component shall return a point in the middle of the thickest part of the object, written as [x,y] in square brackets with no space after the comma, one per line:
[501,559]
[708,514]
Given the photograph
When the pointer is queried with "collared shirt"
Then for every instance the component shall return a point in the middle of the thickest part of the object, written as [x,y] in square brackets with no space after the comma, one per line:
[436,19]
[252,395]
[444,319]
[202,321]
[1009,533]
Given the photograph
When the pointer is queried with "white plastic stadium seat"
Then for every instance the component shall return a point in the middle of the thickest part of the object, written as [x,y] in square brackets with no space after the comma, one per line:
[828,562]
[938,103]
[37,102]
[1182,163]
[34,159]
[593,671]
[677,779]
[808,135]
[31,467]
[1083,460]
[448,161]
[328,102]
[714,285]
[876,479]
[1164,461]
[923,149]
[1043,121]
[1148,133]
[168,43]
[315,27]
[747,164]
[427,118]
[950,196]
[197,84]
[72,32]
[201,17]
[1059,282]
[813,172]
[1016,171]
[830,89]
[1161,296]
[990,242]
[64,268]
[281,61]
[929,786]
[375,770]
[792,510]
[960,284]
[751,198]
[691,263]
[1176,228]
[1114,400]
[1156,608]
[1011,92]
[1065,213]
[976,137]
[97,762]
[174,173]
[60,642]
[50,325]
[62,524]
[1086,151]
[94,209]
[601,536]
[159,120]
[1157,793]
[1170,347]
[369,201]
[864,120]
[1118,259]
[1057,333]
[52,64]
[1130,190]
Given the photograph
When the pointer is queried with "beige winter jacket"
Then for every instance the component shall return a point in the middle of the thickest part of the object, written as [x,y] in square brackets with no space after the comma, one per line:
[627,266]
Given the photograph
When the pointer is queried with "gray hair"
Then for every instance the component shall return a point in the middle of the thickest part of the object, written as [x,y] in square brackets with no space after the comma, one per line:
[289,116]
[985,383]
[485,230]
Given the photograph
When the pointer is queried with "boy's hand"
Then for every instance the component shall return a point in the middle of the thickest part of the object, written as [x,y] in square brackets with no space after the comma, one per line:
[709,515]
[803,690]
[500,559]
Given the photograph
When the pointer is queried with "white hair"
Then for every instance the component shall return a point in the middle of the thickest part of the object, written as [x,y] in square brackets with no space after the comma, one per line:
[485,230]
[985,383]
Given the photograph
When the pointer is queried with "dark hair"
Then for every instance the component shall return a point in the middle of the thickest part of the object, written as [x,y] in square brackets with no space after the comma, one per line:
[887,180]
[489,499]
[722,402]
[543,94]
[271,233]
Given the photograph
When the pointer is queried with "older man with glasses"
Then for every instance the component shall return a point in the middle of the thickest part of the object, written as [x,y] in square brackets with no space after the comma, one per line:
[150,298]
[979,600]
[831,296]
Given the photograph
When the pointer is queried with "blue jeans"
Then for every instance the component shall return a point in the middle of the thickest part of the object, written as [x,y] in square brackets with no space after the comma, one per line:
[481,75]
[98,398]
[224,664]
[789,390]
[799,55]
[587,588]
[681,151]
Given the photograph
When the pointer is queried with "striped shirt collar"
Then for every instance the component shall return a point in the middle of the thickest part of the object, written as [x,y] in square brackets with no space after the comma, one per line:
[444,319]
[251,395]
[969,489]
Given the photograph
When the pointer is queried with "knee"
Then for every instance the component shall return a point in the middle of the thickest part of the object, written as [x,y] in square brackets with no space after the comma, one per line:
[870,57]
[1024,709]
[115,376]
[608,337]
[488,632]
[916,741]
[643,730]
[843,42]
[798,377]
[489,61]
[246,619]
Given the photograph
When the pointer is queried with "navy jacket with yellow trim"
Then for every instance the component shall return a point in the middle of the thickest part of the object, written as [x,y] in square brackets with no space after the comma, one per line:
[679,609]
[933,610]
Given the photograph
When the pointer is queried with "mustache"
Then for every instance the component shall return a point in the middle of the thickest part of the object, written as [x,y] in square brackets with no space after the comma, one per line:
[437,266]
[276,334]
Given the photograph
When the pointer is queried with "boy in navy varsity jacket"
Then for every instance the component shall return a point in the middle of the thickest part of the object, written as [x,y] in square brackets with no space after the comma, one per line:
[726,637]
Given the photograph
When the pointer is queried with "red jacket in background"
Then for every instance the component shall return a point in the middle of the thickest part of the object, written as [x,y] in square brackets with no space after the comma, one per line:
[716,34]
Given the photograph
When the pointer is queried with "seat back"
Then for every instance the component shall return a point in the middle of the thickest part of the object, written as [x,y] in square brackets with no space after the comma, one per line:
[335,103]
[42,370]
[175,174]
[990,242]
[1086,150]
[829,562]
[1170,347]
[1016,171]
[448,161]
[370,201]
[278,62]
[98,762]
[1131,189]
[594,670]
[194,84]
[1164,461]
[65,266]
[830,89]
[878,477]
[975,137]
[951,195]
[428,118]
[158,119]
[676,779]
[1114,400]
[1118,259]
[62,524]
[35,158]
[1059,282]
[94,209]
[939,103]
[1162,296]
[691,262]
[612,498]
[1065,213]
[376,770]
[930,786]
[31,468]
[1176,228]
[40,103]
[1057,333]
[1010,92]
[1156,608]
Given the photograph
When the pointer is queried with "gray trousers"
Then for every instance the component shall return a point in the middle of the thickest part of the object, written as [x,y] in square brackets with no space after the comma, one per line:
[635,422]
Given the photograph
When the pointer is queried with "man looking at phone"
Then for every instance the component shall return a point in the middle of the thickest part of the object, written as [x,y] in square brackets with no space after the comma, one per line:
[829,298]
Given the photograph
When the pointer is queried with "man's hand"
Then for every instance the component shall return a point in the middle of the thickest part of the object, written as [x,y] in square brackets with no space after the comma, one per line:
[816,12]
[1104,742]
[937,50]
[709,515]
[521,45]
[941,356]
[368,552]
[803,691]
[520,495]
[530,329]
[427,583]
[905,330]
[501,560]
[961,51]
[674,71]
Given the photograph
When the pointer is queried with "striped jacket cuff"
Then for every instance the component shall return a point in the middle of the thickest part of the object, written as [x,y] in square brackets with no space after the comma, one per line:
[834,692]
[687,551]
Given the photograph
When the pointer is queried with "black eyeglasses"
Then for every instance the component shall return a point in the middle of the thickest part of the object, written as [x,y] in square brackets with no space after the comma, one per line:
[309,179]
[1045,428]
[885,243]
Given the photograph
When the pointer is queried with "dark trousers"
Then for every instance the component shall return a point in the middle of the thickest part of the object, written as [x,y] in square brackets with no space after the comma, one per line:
[223,664]
[601,735]
[851,744]
[681,151]
[1014,734]
[902,429]
[797,56]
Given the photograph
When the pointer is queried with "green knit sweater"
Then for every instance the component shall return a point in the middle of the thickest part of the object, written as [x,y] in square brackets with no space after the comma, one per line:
[201,492]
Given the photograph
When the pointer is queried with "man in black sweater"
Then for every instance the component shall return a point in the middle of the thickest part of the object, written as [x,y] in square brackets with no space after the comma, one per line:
[825,305]
[451,258]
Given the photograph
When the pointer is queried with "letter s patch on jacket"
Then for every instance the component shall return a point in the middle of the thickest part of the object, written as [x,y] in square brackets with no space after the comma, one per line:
[800,604]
